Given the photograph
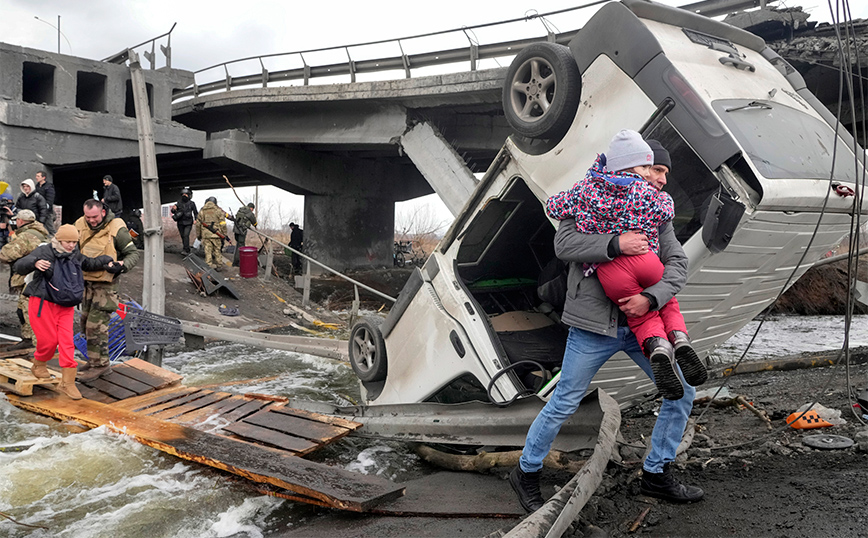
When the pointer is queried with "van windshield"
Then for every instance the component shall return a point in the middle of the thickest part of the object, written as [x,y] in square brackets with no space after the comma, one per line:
[784,143]
[690,183]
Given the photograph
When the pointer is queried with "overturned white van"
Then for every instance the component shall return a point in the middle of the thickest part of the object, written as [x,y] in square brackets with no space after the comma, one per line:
[762,185]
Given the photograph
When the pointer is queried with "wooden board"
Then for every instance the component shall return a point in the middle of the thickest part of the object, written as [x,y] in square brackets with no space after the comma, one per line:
[274,438]
[174,402]
[194,418]
[168,377]
[128,370]
[333,486]
[155,398]
[327,419]
[295,426]
[199,403]
[128,383]
[111,389]
[242,411]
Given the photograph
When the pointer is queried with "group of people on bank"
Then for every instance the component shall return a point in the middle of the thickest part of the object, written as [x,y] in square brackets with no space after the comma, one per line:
[212,231]
[55,270]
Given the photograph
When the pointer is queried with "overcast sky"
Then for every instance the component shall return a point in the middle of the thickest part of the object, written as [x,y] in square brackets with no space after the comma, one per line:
[216,31]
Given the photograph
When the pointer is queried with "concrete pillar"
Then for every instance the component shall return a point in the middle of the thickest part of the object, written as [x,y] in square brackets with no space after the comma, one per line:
[352,230]
[440,164]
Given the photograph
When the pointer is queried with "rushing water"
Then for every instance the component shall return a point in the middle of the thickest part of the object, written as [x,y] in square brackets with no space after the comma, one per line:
[100,484]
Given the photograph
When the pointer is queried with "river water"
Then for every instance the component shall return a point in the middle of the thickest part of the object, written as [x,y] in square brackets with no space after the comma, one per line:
[100,484]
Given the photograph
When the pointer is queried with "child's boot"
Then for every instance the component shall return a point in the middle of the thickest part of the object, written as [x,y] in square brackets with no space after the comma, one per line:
[661,355]
[691,365]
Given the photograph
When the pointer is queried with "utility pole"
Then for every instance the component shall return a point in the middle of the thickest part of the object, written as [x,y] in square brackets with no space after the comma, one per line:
[154,290]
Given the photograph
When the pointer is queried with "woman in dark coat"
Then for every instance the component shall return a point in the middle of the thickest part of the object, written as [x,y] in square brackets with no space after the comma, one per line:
[52,323]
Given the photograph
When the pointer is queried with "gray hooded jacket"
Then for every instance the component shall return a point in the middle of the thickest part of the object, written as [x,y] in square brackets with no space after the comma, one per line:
[587,306]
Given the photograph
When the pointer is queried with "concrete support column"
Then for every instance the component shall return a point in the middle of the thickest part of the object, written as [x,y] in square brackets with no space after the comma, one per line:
[440,164]
[349,231]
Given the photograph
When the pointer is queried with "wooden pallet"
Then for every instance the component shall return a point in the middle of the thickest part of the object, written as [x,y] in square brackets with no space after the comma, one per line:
[144,418]
[15,376]
[254,436]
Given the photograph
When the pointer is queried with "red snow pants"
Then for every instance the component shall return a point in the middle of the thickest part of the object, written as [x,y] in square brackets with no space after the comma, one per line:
[52,326]
[626,276]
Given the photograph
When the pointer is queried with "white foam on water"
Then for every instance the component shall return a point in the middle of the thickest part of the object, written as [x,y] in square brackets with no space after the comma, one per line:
[101,484]
[366,462]
[236,520]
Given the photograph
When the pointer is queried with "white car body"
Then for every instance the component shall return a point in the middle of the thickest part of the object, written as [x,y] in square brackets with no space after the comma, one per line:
[440,341]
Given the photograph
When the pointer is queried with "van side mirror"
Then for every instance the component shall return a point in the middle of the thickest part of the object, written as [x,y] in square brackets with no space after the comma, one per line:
[720,222]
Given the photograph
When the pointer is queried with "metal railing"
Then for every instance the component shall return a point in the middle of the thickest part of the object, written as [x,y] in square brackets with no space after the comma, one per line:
[472,54]
[356,284]
[151,55]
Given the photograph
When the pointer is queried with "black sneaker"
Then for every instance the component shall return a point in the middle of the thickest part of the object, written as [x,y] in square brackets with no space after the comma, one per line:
[665,486]
[526,486]
[660,353]
[691,365]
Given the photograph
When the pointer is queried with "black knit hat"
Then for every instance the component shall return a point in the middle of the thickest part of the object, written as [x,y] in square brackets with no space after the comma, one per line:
[661,156]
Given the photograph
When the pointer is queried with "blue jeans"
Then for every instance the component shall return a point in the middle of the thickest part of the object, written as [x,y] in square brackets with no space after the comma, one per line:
[585,354]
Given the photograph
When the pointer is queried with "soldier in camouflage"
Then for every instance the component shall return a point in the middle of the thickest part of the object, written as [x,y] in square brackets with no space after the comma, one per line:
[101,234]
[211,230]
[30,234]
[244,220]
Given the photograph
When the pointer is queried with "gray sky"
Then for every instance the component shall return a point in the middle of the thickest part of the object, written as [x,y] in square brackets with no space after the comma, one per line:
[218,30]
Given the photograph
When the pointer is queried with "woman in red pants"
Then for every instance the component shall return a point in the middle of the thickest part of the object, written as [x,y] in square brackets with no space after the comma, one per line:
[57,274]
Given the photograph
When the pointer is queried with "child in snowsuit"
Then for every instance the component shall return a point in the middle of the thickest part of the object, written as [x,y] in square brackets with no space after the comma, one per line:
[52,323]
[614,198]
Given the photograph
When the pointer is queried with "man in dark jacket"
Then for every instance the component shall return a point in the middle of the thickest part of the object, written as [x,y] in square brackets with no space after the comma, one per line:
[296,241]
[244,220]
[184,212]
[111,196]
[32,200]
[46,189]
[598,330]
[136,228]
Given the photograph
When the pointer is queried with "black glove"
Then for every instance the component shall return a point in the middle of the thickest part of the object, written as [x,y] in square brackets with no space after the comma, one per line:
[105,259]
[114,268]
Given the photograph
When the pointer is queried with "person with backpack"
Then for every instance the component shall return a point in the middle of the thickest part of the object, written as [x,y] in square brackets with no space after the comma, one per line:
[30,234]
[57,287]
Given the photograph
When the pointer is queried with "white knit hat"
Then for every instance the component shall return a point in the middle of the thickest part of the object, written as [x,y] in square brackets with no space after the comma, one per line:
[626,150]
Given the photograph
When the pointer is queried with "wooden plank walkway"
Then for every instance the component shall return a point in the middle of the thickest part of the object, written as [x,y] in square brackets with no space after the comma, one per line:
[254,436]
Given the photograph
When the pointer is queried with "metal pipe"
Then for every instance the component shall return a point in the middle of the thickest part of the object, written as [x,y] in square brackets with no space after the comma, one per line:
[326,267]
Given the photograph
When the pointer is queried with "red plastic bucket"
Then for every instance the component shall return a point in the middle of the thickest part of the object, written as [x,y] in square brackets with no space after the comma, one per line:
[248,262]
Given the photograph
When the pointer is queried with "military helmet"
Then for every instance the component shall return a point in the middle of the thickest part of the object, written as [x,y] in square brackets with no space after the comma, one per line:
[187,191]
[211,199]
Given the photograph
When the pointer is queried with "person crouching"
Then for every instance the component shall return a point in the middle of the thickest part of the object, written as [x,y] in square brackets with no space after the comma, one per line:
[57,280]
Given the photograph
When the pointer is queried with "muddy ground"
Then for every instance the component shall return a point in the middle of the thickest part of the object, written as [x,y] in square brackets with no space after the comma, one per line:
[757,482]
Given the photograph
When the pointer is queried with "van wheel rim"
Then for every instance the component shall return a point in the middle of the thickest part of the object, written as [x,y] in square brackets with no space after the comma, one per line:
[533,88]
[365,349]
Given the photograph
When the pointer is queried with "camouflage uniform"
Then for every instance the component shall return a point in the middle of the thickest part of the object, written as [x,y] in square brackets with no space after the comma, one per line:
[244,220]
[100,299]
[212,215]
[26,239]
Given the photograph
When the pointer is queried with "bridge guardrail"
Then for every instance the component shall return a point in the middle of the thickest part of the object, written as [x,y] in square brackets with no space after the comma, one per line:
[470,54]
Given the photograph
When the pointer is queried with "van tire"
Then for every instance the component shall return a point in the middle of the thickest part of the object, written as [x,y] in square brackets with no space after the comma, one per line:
[368,350]
[542,90]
